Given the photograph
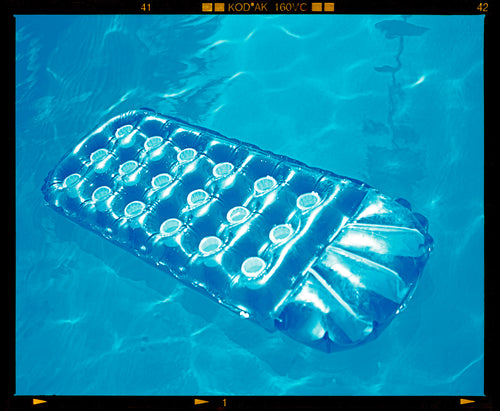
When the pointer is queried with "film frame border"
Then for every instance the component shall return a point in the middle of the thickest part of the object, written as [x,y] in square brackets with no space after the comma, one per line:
[221,403]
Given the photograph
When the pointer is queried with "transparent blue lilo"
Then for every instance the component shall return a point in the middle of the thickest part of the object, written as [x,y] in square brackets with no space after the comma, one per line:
[326,259]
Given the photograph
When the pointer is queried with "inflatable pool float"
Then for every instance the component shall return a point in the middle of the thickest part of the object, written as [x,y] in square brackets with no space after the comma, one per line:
[325,259]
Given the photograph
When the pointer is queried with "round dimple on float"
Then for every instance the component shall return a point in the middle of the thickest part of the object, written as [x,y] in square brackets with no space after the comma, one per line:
[186,155]
[71,180]
[280,233]
[128,167]
[170,227]
[253,266]
[237,214]
[308,200]
[98,155]
[153,142]
[124,131]
[161,180]
[210,245]
[222,170]
[134,209]
[101,194]
[264,185]
[197,197]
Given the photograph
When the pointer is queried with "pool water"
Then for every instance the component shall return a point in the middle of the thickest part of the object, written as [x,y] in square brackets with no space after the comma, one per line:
[396,101]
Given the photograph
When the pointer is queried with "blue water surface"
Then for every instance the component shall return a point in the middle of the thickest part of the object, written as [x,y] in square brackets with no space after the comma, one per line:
[396,101]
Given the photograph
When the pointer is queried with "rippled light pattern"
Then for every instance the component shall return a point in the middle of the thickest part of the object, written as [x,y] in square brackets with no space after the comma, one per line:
[326,259]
